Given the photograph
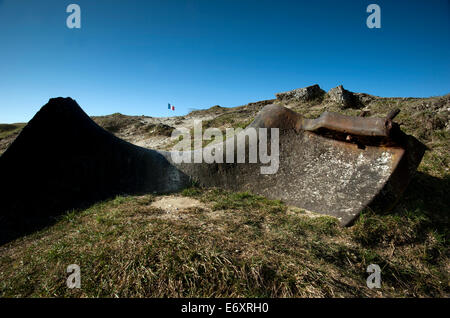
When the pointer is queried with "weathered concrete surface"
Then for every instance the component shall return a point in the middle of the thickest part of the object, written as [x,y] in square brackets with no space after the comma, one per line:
[63,160]
[315,173]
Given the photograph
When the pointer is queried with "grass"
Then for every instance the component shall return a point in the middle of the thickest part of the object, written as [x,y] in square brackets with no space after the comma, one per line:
[232,245]
[227,120]
[116,122]
[7,130]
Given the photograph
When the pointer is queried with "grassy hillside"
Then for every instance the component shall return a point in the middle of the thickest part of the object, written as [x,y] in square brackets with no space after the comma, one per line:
[225,244]
[9,132]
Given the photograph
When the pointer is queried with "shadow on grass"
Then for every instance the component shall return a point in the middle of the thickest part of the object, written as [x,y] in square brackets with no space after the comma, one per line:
[18,223]
[422,211]
[427,198]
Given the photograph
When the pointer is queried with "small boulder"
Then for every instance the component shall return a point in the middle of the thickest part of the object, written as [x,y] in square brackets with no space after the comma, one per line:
[342,97]
[301,94]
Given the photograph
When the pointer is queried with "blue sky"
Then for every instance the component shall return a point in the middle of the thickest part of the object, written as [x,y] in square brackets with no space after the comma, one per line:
[134,57]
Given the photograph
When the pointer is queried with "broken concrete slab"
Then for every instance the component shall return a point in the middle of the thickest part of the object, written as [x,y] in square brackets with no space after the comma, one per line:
[63,160]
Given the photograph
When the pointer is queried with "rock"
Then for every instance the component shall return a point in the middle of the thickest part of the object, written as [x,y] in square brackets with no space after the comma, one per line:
[365,112]
[364,98]
[301,94]
[343,97]
[262,103]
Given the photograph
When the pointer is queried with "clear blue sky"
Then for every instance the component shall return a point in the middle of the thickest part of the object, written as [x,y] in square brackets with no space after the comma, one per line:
[134,57]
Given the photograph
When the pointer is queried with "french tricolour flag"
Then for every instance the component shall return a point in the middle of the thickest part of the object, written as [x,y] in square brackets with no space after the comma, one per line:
[170,107]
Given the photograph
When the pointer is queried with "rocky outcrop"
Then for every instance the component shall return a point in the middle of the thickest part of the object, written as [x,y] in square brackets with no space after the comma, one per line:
[301,94]
[364,98]
[344,98]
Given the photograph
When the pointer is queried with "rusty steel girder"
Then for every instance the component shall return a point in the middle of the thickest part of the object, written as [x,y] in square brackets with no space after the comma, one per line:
[335,125]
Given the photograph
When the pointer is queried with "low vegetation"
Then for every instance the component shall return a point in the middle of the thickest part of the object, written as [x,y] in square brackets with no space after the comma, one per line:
[230,245]
[9,132]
